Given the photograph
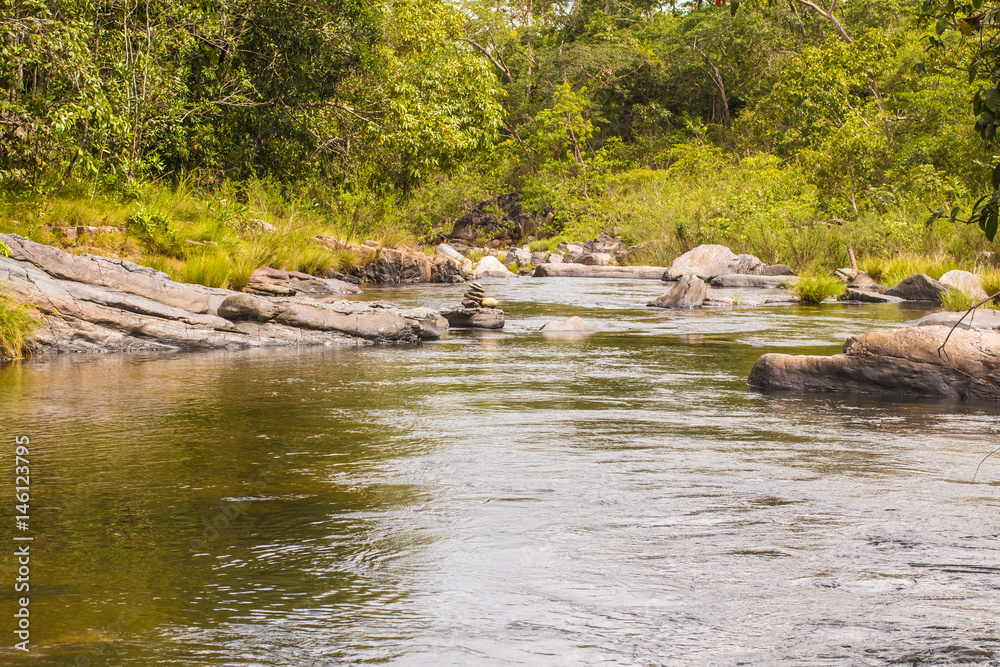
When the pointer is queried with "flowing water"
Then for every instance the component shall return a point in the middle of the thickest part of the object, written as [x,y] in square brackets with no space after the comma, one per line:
[502,498]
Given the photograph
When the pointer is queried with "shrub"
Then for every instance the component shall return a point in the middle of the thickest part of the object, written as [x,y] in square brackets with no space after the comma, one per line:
[814,287]
[16,327]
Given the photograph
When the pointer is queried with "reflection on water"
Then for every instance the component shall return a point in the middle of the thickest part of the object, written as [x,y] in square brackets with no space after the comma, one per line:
[504,498]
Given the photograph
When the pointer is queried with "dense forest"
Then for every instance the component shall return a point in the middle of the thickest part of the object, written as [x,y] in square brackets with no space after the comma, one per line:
[787,129]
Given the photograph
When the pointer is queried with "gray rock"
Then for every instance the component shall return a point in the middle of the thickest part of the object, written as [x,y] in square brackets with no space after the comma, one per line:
[708,261]
[964,282]
[868,296]
[394,265]
[97,304]
[474,318]
[752,281]
[978,319]
[445,250]
[689,292]
[539,258]
[595,259]
[861,281]
[519,256]
[569,325]
[554,258]
[918,287]
[582,271]
[897,362]
[274,282]
[490,267]
[778,270]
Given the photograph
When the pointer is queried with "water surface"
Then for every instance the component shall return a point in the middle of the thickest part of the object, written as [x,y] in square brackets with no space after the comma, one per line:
[504,498]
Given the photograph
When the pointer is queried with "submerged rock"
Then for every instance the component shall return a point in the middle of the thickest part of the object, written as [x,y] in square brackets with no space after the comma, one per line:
[689,292]
[897,362]
[569,325]
[99,304]
[868,296]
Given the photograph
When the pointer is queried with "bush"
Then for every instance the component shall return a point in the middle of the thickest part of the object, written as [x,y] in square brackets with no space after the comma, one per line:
[16,327]
[815,288]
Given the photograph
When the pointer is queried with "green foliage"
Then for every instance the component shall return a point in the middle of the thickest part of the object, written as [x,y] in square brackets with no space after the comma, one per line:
[16,326]
[210,270]
[890,271]
[815,287]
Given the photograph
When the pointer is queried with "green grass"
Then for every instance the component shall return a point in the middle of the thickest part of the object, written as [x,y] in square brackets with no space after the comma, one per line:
[16,326]
[210,270]
[990,281]
[815,288]
[957,300]
[890,271]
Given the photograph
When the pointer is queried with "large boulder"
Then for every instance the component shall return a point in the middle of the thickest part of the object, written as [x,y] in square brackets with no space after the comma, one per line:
[918,287]
[689,292]
[908,361]
[275,282]
[708,261]
[519,256]
[490,267]
[964,281]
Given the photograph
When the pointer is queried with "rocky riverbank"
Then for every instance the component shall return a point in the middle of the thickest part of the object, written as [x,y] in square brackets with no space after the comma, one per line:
[97,304]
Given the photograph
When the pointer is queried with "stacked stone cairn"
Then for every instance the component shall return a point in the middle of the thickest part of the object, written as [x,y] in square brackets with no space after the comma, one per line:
[476,298]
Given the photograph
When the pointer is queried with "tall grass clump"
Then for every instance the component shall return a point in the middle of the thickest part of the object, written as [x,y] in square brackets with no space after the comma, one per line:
[990,280]
[816,287]
[889,271]
[16,327]
[957,300]
[210,270]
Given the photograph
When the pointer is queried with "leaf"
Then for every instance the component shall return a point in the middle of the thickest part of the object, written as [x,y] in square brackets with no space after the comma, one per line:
[733,7]
[964,26]
[991,226]
[935,214]
[996,177]
[977,103]
[972,73]
[976,4]
[954,213]
[991,100]
[941,27]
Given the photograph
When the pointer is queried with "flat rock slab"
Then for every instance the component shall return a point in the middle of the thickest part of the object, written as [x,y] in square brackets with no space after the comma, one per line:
[584,271]
[868,296]
[747,281]
[979,319]
[896,362]
[275,282]
[98,304]
[474,318]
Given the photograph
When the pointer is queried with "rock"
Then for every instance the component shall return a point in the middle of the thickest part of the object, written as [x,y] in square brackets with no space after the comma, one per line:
[519,256]
[569,325]
[490,267]
[752,281]
[748,265]
[705,261]
[474,318]
[778,270]
[978,319]
[918,287]
[539,258]
[964,282]
[445,250]
[570,248]
[274,282]
[689,292]
[897,362]
[469,303]
[595,259]
[489,303]
[392,265]
[98,304]
[868,296]
[605,244]
[582,271]
[553,258]
[861,281]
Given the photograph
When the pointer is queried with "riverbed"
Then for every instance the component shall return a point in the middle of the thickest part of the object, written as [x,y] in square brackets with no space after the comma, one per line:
[504,498]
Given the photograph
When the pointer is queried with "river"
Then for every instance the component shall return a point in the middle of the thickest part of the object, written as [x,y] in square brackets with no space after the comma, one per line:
[503,498]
